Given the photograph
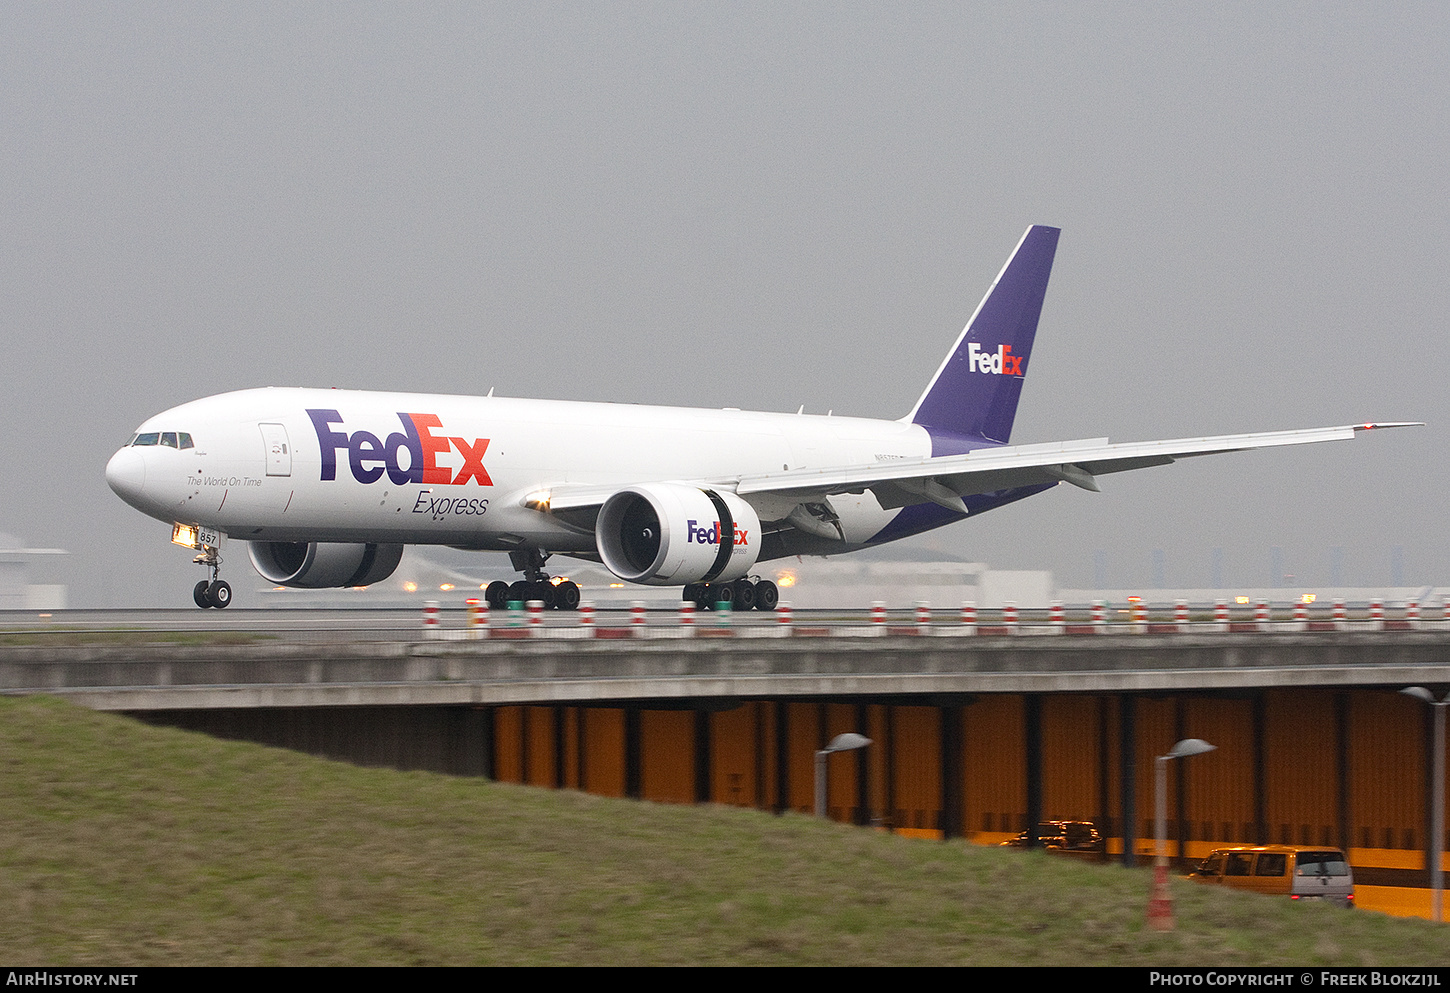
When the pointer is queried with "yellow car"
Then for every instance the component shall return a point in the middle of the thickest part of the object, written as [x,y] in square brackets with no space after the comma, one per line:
[1300,872]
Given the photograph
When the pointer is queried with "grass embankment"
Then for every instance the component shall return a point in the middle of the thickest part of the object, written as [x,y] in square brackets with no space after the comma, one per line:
[126,844]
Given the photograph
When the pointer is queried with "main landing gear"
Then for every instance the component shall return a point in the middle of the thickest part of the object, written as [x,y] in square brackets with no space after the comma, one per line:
[554,594]
[739,595]
[213,593]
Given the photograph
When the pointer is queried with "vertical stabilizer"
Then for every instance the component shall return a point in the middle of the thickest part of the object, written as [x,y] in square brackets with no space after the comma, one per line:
[974,394]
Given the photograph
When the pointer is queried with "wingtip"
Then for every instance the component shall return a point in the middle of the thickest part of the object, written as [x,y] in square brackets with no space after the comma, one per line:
[1388,424]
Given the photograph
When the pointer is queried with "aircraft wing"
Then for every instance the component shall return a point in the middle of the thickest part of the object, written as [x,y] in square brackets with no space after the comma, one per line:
[945,480]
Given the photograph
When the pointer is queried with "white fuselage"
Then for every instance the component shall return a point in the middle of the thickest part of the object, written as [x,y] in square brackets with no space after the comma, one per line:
[258,465]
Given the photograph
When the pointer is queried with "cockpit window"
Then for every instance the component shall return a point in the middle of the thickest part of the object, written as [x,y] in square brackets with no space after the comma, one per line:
[168,439]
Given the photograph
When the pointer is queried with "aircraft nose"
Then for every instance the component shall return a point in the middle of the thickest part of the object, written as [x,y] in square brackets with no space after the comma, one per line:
[126,475]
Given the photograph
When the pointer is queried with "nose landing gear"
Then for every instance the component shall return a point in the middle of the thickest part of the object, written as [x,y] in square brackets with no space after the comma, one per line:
[216,592]
[212,594]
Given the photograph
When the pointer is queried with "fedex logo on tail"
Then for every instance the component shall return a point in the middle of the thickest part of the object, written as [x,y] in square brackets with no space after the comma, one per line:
[999,363]
[369,456]
[710,534]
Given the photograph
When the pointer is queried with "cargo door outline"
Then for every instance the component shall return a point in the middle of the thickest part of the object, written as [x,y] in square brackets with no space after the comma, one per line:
[279,451]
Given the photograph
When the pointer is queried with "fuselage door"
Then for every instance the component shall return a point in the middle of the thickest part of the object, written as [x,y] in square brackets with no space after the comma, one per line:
[279,452]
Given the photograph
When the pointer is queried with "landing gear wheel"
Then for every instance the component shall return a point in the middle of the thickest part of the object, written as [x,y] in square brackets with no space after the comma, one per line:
[497,595]
[767,596]
[543,591]
[520,592]
[744,594]
[199,594]
[721,595]
[219,593]
[566,595]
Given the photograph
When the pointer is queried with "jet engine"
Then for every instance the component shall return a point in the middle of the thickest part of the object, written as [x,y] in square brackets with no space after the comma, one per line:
[315,565]
[669,534]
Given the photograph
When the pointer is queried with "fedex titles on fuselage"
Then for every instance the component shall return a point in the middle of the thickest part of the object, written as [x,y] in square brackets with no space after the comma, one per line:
[369,456]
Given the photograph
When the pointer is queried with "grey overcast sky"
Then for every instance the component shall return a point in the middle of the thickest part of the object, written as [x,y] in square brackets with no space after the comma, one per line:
[751,205]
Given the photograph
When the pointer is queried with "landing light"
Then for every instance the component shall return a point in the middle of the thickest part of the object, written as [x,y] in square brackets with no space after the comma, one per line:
[184,534]
[410,587]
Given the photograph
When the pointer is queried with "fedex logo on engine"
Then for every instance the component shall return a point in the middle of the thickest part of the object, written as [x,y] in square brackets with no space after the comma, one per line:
[999,363]
[710,534]
[369,456]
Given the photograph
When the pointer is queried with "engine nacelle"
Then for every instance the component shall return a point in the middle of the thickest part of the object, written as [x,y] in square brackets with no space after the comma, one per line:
[315,565]
[670,534]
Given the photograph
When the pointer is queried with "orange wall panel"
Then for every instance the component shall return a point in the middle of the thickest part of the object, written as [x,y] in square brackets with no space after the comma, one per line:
[995,764]
[667,755]
[603,758]
[733,765]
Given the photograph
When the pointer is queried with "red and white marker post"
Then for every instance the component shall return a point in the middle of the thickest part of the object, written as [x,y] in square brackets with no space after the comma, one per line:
[969,616]
[878,617]
[477,619]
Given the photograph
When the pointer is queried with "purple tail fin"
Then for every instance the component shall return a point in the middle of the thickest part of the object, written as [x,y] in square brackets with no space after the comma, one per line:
[973,396]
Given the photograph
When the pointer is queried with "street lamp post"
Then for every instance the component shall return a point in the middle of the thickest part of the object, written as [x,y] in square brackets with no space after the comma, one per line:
[1437,799]
[1160,906]
[840,743]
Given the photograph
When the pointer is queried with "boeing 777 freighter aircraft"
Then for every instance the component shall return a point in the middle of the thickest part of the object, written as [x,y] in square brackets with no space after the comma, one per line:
[327,486]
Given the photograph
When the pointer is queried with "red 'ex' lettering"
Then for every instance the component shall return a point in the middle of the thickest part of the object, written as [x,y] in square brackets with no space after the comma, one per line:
[472,462]
[432,448]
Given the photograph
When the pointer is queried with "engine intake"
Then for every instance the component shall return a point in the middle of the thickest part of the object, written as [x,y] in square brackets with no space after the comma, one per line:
[316,565]
[670,534]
